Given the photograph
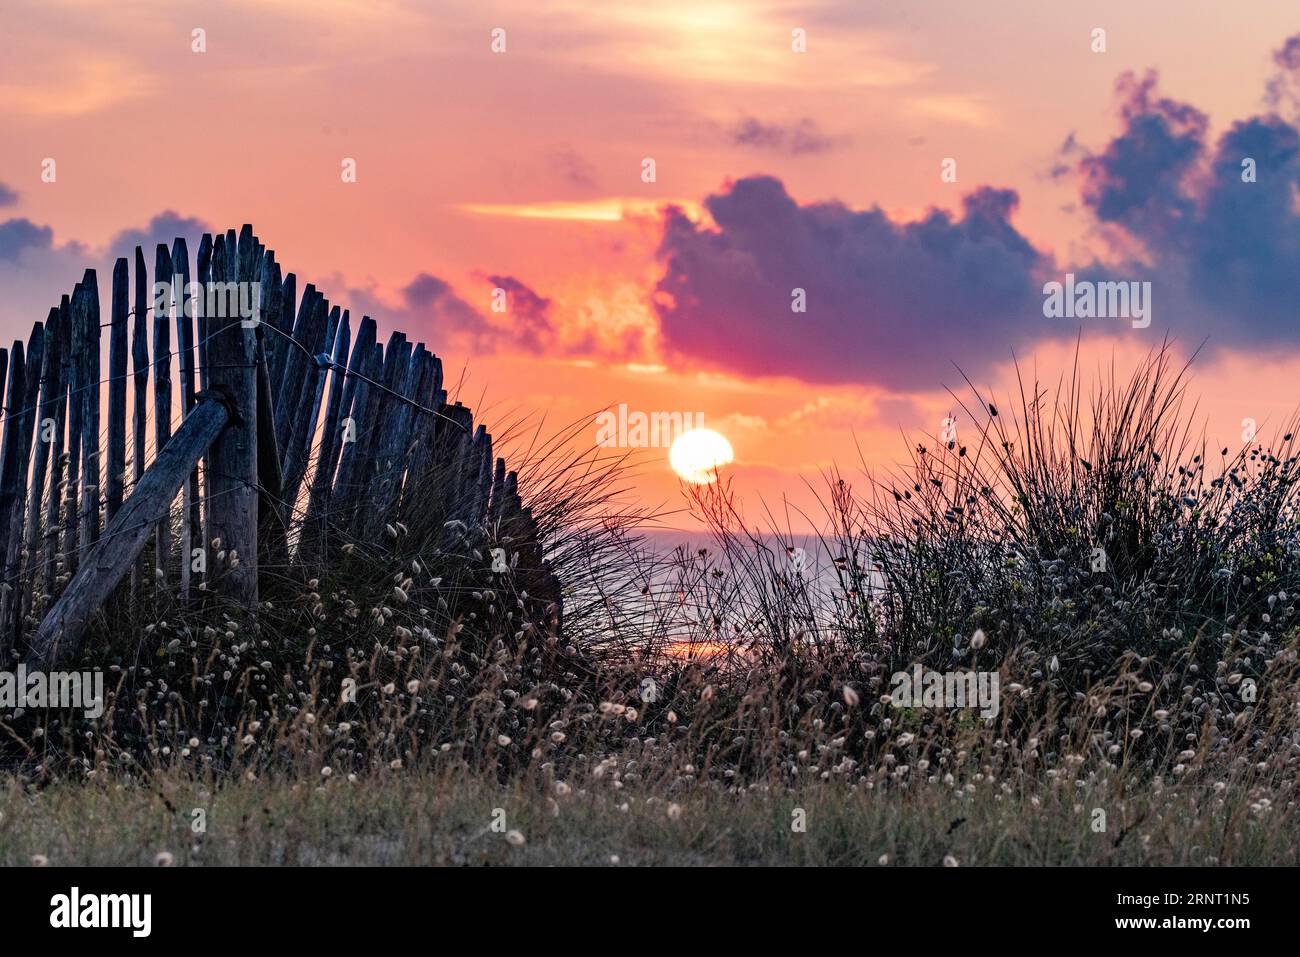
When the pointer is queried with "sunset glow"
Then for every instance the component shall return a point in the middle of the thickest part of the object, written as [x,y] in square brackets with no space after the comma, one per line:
[696,650]
[525,188]
[699,455]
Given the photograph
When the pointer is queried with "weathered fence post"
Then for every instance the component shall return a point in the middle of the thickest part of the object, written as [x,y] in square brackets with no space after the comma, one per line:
[233,480]
[272,524]
[395,443]
[76,414]
[426,431]
[204,271]
[117,390]
[283,322]
[162,399]
[89,356]
[191,518]
[314,388]
[48,425]
[59,637]
[298,390]
[353,467]
[37,343]
[54,501]
[13,482]
[9,463]
[451,449]
[397,360]
[331,436]
[140,364]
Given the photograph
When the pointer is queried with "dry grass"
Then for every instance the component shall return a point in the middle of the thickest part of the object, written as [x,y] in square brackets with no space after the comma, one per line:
[446,818]
[1161,691]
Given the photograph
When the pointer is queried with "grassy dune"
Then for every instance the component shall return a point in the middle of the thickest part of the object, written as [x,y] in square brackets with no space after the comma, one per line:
[447,819]
[1132,589]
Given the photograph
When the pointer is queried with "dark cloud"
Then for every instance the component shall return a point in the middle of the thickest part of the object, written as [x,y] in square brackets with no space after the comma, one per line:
[1137,181]
[1284,87]
[7,196]
[1066,160]
[433,305]
[888,302]
[19,235]
[897,304]
[528,313]
[1287,56]
[35,271]
[164,227]
[525,325]
[430,303]
[1223,251]
[796,139]
[1243,250]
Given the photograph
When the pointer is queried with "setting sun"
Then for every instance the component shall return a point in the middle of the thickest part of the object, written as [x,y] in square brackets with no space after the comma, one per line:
[697,455]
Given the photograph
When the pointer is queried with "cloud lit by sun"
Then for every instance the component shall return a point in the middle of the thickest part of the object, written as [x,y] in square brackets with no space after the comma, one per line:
[610,210]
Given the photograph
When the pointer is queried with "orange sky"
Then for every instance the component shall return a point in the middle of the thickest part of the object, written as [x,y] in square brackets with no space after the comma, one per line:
[528,164]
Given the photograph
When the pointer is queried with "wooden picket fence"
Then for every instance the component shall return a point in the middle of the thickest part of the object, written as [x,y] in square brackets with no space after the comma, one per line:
[293,439]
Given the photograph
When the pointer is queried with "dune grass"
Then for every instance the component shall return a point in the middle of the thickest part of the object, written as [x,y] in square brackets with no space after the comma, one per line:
[731,705]
[456,818]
